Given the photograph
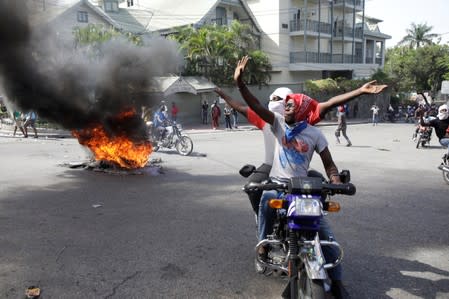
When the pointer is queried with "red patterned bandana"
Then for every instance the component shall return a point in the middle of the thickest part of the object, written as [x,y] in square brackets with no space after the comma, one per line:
[303,105]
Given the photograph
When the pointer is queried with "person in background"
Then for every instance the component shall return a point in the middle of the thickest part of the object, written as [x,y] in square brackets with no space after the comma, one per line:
[227,114]
[235,115]
[341,114]
[159,123]
[216,113]
[174,111]
[441,125]
[18,122]
[375,111]
[164,108]
[204,112]
[30,120]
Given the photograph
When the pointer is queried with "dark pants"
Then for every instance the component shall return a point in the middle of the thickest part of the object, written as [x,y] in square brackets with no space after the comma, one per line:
[259,175]
[228,122]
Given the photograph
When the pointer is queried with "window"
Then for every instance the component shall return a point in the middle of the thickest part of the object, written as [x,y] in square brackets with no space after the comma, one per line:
[111,6]
[130,3]
[221,15]
[83,17]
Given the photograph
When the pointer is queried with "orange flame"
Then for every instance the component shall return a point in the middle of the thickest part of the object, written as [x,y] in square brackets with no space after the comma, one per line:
[117,149]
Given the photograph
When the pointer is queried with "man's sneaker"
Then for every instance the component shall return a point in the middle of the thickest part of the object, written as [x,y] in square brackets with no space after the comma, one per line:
[349,144]
[338,290]
[262,255]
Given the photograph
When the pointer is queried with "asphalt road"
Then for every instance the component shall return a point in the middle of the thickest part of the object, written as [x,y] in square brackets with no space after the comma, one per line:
[189,232]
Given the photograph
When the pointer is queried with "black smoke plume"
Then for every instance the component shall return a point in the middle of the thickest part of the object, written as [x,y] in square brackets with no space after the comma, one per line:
[38,72]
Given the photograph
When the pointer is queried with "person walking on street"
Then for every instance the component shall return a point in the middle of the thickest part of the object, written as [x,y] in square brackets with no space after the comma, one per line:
[30,120]
[375,110]
[18,122]
[174,111]
[227,114]
[341,114]
[216,113]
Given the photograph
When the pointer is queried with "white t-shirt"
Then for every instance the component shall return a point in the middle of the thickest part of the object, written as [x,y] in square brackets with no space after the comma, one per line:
[293,159]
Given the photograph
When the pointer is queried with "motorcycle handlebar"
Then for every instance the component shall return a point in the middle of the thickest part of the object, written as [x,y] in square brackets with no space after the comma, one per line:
[346,189]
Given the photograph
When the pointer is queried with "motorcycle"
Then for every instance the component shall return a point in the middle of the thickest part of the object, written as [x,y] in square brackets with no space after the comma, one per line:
[170,136]
[423,136]
[444,167]
[294,247]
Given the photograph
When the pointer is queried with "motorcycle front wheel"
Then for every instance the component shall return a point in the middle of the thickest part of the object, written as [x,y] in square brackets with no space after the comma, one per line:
[418,142]
[310,288]
[446,173]
[446,177]
[184,146]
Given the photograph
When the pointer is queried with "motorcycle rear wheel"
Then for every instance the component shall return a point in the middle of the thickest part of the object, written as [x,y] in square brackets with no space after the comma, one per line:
[310,288]
[184,146]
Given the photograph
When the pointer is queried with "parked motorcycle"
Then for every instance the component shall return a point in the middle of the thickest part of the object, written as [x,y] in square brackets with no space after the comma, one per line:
[444,167]
[170,136]
[294,247]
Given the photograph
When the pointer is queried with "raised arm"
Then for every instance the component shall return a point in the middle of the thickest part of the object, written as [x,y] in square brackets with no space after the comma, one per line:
[367,88]
[251,100]
[238,106]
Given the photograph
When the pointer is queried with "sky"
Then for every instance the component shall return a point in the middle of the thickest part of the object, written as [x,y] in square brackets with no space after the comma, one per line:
[398,15]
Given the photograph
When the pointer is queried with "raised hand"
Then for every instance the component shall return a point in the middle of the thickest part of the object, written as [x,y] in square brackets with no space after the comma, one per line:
[240,68]
[371,87]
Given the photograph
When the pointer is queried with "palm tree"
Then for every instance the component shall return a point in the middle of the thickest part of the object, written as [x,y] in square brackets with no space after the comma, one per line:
[417,35]
[213,51]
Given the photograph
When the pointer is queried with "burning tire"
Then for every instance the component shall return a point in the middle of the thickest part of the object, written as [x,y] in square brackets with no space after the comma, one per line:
[184,146]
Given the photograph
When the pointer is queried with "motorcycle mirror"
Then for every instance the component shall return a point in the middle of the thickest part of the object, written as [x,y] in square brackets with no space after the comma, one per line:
[247,170]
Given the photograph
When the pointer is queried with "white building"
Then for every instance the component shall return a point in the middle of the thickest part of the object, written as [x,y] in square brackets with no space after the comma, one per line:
[314,39]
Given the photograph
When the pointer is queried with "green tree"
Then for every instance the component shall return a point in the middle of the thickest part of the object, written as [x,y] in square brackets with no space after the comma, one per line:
[91,37]
[418,35]
[213,51]
[420,69]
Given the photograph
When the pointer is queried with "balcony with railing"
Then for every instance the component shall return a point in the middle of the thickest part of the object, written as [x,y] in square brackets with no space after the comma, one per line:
[314,26]
[315,57]
[349,4]
[310,25]
[369,60]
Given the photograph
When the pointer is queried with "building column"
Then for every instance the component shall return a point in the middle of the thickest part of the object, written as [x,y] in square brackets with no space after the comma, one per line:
[382,53]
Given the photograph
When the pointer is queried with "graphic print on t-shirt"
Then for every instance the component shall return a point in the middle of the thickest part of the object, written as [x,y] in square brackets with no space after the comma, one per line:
[292,153]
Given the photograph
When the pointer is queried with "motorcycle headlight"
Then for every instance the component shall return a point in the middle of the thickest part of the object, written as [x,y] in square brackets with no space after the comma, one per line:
[308,207]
